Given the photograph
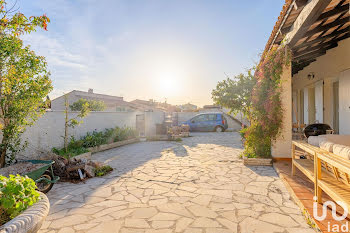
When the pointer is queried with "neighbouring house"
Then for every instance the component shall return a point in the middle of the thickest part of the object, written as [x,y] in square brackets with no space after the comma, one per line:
[113,103]
[316,85]
[152,105]
[188,107]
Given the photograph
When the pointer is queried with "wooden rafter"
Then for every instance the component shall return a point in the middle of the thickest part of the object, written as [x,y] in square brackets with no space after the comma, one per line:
[333,34]
[319,46]
[310,13]
[325,28]
[335,11]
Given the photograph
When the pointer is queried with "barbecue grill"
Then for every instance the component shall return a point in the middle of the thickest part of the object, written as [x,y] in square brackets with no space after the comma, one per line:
[316,129]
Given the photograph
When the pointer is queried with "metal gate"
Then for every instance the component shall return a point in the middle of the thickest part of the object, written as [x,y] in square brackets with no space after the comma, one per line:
[140,124]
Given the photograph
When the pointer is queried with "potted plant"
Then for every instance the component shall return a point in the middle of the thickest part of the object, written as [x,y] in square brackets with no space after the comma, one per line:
[23,209]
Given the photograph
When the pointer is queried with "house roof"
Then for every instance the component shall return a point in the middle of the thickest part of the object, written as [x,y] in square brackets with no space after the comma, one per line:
[95,95]
[313,26]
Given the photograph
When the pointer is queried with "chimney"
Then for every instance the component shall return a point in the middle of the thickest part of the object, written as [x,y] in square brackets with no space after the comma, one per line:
[91,91]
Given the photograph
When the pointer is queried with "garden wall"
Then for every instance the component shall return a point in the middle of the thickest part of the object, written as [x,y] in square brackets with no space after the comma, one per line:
[48,131]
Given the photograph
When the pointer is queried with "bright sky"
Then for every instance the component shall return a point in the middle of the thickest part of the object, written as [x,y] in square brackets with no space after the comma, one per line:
[150,49]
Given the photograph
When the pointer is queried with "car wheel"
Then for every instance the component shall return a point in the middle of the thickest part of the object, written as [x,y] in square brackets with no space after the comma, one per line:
[219,129]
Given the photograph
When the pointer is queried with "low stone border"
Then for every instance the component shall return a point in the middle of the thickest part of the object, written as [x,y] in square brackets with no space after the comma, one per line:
[30,220]
[86,156]
[257,162]
[306,213]
[112,145]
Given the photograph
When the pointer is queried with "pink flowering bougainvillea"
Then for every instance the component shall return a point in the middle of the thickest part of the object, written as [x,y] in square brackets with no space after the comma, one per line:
[267,111]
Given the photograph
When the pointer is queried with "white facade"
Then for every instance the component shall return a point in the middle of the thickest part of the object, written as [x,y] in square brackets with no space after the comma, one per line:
[321,100]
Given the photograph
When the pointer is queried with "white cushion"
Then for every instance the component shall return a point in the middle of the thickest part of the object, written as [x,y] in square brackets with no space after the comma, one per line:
[342,151]
[326,145]
[313,140]
[336,138]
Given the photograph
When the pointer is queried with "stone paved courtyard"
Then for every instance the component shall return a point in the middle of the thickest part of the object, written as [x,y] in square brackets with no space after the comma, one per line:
[198,185]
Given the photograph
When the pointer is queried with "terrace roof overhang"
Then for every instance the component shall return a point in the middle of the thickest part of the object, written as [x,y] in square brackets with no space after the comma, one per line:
[310,28]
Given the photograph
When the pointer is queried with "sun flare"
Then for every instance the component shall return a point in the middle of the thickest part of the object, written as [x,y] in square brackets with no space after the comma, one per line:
[167,84]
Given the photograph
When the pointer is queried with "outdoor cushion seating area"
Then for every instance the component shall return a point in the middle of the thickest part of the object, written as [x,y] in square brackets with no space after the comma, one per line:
[328,170]
[334,143]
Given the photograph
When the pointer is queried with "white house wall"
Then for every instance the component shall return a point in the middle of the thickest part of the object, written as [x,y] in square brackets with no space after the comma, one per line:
[344,102]
[327,68]
[48,131]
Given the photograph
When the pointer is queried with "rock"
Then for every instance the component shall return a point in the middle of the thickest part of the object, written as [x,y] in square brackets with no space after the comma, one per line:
[89,170]
[95,163]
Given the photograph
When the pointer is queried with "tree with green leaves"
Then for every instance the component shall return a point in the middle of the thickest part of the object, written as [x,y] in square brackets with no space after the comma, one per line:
[235,94]
[72,122]
[24,79]
[93,105]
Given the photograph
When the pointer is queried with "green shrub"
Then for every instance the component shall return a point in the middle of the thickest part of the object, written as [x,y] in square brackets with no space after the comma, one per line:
[257,143]
[101,171]
[71,151]
[95,138]
[17,193]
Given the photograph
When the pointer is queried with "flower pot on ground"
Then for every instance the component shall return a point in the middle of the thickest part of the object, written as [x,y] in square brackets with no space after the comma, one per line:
[23,209]
[30,220]
[257,161]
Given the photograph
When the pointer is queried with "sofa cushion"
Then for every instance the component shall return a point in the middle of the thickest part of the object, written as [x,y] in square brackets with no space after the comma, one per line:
[313,140]
[335,138]
[326,145]
[342,151]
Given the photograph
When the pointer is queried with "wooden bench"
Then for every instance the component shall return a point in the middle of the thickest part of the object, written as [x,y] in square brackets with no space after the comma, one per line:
[329,172]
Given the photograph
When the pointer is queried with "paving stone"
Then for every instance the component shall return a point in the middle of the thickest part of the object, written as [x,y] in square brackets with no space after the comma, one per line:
[193,230]
[182,224]
[86,226]
[279,219]
[162,224]
[136,223]
[256,190]
[174,208]
[202,211]
[228,224]
[158,231]
[298,230]
[155,189]
[66,230]
[204,222]
[202,199]
[108,211]
[107,227]
[165,217]
[144,212]
[250,225]
[68,221]
[217,230]
[121,214]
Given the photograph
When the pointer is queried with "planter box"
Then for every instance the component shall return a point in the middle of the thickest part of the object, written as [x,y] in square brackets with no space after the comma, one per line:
[257,162]
[30,220]
[112,145]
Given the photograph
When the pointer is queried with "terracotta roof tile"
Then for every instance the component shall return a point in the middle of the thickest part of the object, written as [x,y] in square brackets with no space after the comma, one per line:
[278,24]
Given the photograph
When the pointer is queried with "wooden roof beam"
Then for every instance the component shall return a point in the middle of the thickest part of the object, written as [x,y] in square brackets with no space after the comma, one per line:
[327,26]
[318,39]
[310,13]
[328,14]
[316,53]
[299,3]
[320,46]
[333,12]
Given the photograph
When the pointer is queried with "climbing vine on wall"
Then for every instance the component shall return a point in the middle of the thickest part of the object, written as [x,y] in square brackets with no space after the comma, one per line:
[267,111]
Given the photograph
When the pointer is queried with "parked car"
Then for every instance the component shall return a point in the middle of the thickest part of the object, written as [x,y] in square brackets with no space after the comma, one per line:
[208,122]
